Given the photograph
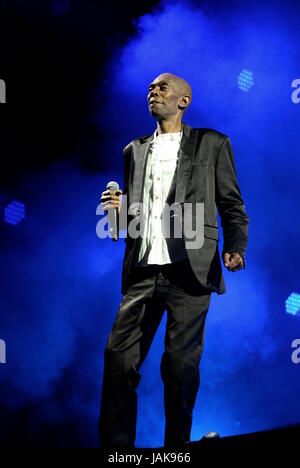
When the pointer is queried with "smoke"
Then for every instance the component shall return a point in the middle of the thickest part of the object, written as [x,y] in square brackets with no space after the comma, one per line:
[53,294]
[209,50]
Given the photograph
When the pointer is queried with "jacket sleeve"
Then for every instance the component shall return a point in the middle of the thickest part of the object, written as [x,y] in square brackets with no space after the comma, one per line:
[234,220]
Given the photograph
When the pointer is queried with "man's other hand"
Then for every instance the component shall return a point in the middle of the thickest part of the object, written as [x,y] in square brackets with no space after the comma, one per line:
[233,261]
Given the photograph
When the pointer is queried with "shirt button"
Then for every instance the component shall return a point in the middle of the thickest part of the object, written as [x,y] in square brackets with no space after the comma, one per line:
[155,217]
[156,198]
[158,178]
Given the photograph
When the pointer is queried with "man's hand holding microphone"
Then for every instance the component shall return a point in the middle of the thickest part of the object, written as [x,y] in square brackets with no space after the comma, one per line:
[111,201]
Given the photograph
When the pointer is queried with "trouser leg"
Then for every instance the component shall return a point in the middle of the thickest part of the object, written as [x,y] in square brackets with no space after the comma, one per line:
[133,330]
[184,340]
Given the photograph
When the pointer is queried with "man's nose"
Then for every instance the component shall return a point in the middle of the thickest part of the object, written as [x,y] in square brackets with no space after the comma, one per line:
[153,92]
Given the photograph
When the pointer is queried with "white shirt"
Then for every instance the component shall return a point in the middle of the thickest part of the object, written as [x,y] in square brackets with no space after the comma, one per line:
[160,169]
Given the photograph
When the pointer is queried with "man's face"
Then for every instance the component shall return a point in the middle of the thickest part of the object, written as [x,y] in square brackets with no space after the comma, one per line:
[163,97]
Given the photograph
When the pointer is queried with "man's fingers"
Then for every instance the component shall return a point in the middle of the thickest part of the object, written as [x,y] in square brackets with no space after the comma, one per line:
[114,201]
[107,204]
[110,204]
[239,266]
[226,259]
[110,195]
[236,263]
[110,198]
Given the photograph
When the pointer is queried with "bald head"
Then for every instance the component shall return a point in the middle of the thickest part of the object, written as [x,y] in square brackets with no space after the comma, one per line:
[182,86]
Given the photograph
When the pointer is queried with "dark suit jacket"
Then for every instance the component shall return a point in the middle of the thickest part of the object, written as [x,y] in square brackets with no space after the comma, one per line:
[206,173]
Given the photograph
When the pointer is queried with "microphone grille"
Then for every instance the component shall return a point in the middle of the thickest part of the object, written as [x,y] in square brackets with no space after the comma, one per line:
[112,185]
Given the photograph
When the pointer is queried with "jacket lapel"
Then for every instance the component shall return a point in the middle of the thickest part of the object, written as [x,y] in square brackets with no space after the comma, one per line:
[186,155]
[140,157]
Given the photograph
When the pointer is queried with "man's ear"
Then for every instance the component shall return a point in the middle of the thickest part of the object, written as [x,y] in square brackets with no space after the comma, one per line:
[184,102]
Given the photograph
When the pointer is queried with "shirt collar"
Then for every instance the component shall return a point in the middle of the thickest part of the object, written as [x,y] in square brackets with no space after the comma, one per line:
[174,136]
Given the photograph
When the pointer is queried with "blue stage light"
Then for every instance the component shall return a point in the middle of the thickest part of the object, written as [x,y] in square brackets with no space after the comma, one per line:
[292,304]
[245,80]
[14,212]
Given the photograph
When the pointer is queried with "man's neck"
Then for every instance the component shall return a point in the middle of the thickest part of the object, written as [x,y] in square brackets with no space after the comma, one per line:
[165,126]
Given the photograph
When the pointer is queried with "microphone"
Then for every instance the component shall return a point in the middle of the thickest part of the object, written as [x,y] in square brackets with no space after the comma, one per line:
[112,213]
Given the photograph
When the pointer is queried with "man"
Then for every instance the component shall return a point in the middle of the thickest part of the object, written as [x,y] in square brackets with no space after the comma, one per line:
[177,164]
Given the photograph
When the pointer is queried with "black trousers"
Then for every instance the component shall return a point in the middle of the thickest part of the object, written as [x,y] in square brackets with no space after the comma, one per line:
[153,290]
